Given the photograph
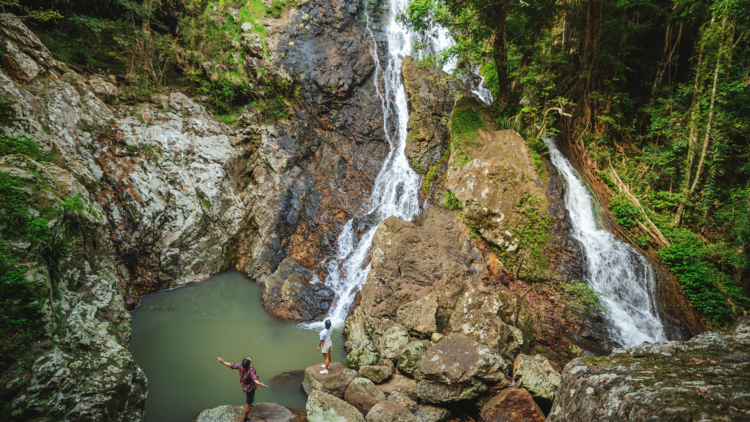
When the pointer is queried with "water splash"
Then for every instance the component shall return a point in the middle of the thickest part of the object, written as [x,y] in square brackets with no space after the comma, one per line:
[397,185]
[612,267]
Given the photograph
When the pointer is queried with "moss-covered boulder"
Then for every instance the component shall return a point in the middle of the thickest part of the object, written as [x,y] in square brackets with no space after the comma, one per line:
[379,372]
[705,378]
[410,358]
[322,407]
[360,357]
[393,342]
[537,376]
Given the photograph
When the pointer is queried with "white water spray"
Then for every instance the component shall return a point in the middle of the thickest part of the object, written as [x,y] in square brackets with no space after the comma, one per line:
[397,185]
[613,267]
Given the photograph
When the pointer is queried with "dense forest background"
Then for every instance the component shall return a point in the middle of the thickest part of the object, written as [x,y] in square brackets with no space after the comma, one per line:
[651,98]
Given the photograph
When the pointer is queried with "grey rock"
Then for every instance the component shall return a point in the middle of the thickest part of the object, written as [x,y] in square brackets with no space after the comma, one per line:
[427,413]
[537,376]
[404,400]
[289,293]
[334,383]
[362,394]
[387,411]
[418,317]
[261,412]
[322,407]
[393,342]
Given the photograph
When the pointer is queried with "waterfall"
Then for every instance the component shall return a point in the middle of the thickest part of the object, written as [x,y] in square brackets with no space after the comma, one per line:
[396,190]
[612,267]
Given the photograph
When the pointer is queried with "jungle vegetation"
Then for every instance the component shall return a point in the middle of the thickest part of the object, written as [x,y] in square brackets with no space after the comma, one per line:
[651,99]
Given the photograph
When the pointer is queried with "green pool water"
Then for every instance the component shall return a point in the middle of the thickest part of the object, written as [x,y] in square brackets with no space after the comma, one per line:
[178,334]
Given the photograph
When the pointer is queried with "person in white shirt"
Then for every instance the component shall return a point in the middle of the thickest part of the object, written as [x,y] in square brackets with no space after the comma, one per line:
[325,345]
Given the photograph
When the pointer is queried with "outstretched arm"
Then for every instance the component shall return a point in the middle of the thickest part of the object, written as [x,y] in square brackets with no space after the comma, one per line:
[225,363]
[261,384]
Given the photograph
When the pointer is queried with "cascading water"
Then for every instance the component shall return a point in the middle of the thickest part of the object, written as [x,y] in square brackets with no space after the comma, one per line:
[613,267]
[397,185]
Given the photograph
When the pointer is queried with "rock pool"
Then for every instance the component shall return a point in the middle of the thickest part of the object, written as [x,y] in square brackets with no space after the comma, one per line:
[178,334]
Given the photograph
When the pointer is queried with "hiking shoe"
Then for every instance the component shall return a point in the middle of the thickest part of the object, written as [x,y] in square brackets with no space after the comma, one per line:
[324,372]
[323,365]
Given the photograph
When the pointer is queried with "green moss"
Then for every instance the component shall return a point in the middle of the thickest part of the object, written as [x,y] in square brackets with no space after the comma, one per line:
[464,127]
[430,177]
[531,230]
[451,202]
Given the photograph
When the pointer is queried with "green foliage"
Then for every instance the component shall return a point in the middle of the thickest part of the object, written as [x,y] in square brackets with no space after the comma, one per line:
[451,202]
[29,12]
[626,212]
[709,290]
[584,299]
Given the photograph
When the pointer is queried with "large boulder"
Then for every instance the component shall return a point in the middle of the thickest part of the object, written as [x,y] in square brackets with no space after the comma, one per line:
[261,412]
[379,372]
[410,358]
[458,368]
[478,316]
[387,411]
[498,188]
[290,293]
[363,395]
[537,376]
[399,383]
[393,342]
[511,405]
[322,407]
[334,383]
[703,379]
[430,263]
[427,413]
[360,357]
[431,94]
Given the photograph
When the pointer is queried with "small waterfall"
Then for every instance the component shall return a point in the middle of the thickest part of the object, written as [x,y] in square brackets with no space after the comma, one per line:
[397,185]
[613,267]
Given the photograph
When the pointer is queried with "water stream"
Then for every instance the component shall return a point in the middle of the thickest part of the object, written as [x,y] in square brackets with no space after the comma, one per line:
[612,267]
[178,334]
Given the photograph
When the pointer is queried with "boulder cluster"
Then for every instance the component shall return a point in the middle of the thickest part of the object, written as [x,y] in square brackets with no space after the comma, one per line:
[426,335]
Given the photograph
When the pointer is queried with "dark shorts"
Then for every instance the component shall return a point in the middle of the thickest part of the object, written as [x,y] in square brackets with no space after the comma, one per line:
[250,397]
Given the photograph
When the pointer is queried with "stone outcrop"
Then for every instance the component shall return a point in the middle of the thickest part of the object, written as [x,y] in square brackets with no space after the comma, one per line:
[261,412]
[322,407]
[292,293]
[432,94]
[457,368]
[537,376]
[495,185]
[387,411]
[399,383]
[704,379]
[512,404]
[334,383]
[418,317]
[411,262]
[362,394]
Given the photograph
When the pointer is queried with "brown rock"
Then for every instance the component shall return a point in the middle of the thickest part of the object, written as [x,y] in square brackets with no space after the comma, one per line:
[289,293]
[419,316]
[512,405]
[363,395]
[400,383]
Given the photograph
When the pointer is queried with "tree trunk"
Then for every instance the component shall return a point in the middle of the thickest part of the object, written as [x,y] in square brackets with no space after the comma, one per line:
[500,54]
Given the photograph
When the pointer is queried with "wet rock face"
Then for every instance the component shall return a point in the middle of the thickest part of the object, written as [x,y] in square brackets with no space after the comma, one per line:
[495,184]
[432,94]
[457,368]
[290,293]
[704,378]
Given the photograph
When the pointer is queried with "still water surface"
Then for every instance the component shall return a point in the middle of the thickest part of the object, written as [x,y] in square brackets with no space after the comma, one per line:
[178,334]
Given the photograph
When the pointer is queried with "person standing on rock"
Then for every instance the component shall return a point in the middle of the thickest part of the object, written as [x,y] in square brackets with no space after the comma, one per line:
[325,346]
[248,380]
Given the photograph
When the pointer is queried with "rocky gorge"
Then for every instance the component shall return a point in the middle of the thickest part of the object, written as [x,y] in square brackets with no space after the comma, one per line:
[464,311]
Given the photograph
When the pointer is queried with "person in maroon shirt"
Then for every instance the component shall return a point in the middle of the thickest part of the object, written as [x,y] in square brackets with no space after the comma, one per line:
[249,381]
